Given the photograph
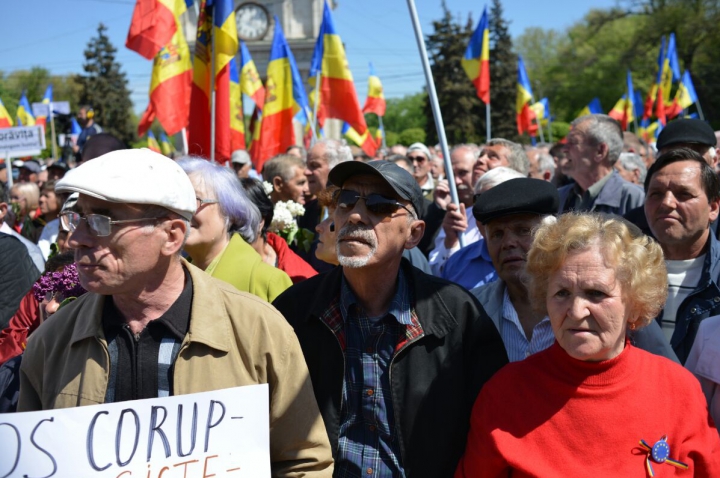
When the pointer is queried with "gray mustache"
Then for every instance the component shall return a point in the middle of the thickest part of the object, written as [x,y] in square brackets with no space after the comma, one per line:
[357,231]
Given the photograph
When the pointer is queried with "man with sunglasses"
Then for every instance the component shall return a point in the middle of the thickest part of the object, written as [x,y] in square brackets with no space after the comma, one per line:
[396,356]
[153,325]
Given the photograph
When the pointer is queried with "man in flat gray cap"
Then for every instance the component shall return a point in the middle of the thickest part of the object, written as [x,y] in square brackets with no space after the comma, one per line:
[152,325]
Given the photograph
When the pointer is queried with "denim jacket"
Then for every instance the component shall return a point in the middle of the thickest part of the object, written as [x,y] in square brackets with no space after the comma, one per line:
[616,197]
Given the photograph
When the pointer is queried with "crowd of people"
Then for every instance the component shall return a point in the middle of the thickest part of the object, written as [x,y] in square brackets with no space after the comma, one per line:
[561,319]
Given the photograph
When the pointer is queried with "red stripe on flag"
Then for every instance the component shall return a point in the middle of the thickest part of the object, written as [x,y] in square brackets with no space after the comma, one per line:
[199,127]
[374,105]
[146,121]
[482,82]
[4,123]
[340,101]
[171,100]
[277,134]
[153,26]
[222,116]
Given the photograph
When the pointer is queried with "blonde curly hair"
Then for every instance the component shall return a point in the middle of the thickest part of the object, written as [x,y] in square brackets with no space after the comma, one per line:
[638,260]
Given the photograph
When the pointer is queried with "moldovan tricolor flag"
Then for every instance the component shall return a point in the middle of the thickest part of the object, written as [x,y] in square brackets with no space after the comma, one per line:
[652,94]
[165,145]
[375,101]
[217,20]
[237,123]
[24,112]
[152,143]
[624,109]
[685,96]
[6,120]
[170,83]
[153,26]
[337,90]
[476,61]
[284,97]
[593,108]
[47,99]
[250,82]
[365,140]
[524,114]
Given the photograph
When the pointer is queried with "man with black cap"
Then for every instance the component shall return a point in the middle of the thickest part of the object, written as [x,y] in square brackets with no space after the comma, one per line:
[396,356]
[507,215]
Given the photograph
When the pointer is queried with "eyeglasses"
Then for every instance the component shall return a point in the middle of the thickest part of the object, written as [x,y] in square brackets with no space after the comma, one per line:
[419,159]
[375,203]
[201,202]
[99,225]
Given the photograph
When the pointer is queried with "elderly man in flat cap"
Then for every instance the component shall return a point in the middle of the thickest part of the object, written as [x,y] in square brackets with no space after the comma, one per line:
[153,325]
[507,215]
[397,357]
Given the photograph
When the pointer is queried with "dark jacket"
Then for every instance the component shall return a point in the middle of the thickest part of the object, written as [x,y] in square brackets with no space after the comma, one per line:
[435,378]
[703,302]
[616,197]
[17,275]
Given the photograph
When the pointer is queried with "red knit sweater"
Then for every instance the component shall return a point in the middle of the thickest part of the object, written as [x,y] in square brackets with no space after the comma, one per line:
[553,416]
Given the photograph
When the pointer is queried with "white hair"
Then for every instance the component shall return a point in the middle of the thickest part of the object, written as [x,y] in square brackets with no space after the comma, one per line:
[494,177]
[632,162]
[545,162]
[336,151]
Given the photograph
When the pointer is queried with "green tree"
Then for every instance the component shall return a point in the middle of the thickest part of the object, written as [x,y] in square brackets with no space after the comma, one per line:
[104,86]
[462,111]
[503,76]
[412,135]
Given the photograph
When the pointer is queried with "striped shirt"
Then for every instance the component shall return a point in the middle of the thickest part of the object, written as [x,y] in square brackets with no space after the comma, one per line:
[518,347]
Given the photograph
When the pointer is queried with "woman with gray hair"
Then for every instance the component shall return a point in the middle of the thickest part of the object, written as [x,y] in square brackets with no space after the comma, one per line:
[222,229]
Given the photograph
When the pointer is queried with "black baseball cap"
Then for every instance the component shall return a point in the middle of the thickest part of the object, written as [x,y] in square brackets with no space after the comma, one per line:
[402,182]
[517,196]
[686,131]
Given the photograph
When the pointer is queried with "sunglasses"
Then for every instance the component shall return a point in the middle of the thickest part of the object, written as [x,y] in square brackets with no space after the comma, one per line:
[419,159]
[375,203]
[99,225]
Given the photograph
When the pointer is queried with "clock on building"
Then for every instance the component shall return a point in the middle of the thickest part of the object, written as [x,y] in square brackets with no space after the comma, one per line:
[253,21]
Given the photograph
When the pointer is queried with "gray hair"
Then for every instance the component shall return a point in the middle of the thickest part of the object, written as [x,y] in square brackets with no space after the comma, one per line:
[241,214]
[602,129]
[546,162]
[336,151]
[496,176]
[633,162]
[473,148]
[517,158]
[281,165]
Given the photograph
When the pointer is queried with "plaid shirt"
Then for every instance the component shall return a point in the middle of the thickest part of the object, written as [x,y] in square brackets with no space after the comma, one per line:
[368,444]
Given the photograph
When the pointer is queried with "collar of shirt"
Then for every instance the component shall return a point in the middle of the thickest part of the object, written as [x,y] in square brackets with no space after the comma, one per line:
[176,319]
[510,315]
[594,190]
[400,306]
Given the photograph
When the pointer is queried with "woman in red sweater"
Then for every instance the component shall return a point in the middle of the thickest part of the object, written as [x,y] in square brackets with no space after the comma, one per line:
[592,404]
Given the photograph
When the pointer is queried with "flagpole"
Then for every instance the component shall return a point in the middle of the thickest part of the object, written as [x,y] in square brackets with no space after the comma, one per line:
[315,106]
[311,120]
[382,131]
[212,94]
[437,114]
[183,132]
[700,113]
[52,133]
[487,121]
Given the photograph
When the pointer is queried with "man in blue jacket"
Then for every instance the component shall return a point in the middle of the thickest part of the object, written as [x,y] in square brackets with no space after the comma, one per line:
[396,356]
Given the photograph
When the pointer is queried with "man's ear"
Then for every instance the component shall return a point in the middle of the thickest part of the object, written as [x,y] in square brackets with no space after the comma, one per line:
[602,152]
[714,209]
[417,230]
[3,211]
[175,229]
[277,183]
[547,176]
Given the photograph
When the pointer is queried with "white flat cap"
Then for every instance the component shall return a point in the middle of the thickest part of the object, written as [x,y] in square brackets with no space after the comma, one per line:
[137,176]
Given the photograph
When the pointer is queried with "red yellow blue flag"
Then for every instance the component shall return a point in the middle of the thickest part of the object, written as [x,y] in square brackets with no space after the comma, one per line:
[153,25]
[476,61]
[277,132]
[24,112]
[365,141]
[337,91]
[375,101]
[47,99]
[523,111]
[217,19]
[165,144]
[250,82]
[685,96]
[624,109]
[152,142]
[593,108]
[6,120]
[237,122]
[170,83]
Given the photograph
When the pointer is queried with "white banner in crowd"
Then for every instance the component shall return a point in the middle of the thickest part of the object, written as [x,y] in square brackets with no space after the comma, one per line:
[21,141]
[224,433]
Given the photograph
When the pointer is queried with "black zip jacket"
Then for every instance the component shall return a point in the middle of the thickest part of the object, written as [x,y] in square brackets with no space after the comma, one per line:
[435,378]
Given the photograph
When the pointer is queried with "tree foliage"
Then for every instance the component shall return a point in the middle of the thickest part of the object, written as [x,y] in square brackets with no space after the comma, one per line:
[104,87]
[503,76]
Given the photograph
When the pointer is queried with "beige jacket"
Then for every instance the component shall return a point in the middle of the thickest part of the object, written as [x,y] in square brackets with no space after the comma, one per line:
[234,339]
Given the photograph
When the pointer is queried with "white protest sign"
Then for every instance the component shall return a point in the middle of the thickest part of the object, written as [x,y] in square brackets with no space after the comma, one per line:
[41,109]
[21,141]
[224,433]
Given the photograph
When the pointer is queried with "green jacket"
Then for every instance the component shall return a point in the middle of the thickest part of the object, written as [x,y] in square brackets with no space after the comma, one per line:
[241,266]
[234,339]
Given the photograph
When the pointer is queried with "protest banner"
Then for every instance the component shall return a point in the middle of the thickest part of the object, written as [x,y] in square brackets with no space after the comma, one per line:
[223,433]
[20,141]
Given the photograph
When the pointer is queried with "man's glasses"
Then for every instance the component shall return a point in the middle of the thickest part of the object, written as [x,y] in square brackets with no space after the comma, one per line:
[375,203]
[201,202]
[419,159]
[99,225]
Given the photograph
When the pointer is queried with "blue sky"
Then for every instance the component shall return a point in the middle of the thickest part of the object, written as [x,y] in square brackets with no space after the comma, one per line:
[53,34]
